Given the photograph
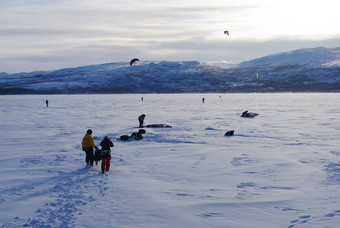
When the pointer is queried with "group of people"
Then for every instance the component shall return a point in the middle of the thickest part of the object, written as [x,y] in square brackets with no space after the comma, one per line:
[88,146]
[106,144]
[105,152]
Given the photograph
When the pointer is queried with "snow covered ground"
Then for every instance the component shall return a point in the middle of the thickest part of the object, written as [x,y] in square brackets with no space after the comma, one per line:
[280,169]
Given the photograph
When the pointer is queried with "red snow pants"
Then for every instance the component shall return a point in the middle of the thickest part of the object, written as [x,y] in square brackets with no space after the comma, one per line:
[106,164]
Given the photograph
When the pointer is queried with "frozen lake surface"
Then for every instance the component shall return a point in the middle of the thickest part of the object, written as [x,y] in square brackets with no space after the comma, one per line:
[280,169]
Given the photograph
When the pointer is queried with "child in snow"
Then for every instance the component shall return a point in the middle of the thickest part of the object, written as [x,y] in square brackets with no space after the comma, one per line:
[88,145]
[106,145]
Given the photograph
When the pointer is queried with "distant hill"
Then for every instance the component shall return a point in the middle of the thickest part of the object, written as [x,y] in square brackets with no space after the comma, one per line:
[303,70]
[319,56]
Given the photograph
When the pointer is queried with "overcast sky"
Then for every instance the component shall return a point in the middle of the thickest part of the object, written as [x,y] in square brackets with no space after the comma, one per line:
[54,34]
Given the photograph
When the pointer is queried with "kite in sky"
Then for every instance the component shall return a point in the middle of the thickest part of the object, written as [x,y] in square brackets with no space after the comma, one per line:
[133,61]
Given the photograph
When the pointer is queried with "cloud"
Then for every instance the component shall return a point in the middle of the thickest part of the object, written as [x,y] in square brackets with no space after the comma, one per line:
[78,32]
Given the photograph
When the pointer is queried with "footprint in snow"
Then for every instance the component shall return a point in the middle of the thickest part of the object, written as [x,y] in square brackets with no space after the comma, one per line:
[184,194]
[209,215]
[307,218]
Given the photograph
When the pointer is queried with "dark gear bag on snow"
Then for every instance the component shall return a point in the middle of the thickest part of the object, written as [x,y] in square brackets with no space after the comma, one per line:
[98,155]
[229,133]
[142,131]
[124,137]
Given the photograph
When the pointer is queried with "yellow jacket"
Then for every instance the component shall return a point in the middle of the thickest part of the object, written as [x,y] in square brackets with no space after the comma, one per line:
[88,141]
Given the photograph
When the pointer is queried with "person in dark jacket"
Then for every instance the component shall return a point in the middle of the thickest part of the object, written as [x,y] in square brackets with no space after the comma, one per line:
[245,114]
[106,145]
[141,120]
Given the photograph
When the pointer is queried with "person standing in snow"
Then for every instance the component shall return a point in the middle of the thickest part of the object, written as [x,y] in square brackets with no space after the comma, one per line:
[106,145]
[141,120]
[88,145]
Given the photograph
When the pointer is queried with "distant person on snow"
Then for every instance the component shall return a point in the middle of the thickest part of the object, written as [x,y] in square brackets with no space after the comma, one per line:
[134,136]
[106,145]
[46,103]
[245,114]
[138,135]
[88,145]
[141,120]
[249,114]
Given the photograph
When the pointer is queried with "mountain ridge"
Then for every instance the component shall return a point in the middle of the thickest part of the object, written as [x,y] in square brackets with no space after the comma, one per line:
[292,71]
[307,56]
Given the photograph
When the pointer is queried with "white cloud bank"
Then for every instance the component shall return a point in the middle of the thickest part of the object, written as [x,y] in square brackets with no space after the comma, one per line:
[43,35]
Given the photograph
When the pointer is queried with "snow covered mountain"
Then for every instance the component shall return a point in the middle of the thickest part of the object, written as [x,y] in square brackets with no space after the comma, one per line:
[319,56]
[316,69]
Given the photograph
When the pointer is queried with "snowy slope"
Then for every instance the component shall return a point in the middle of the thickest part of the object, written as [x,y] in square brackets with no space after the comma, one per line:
[309,56]
[280,169]
[301,70]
